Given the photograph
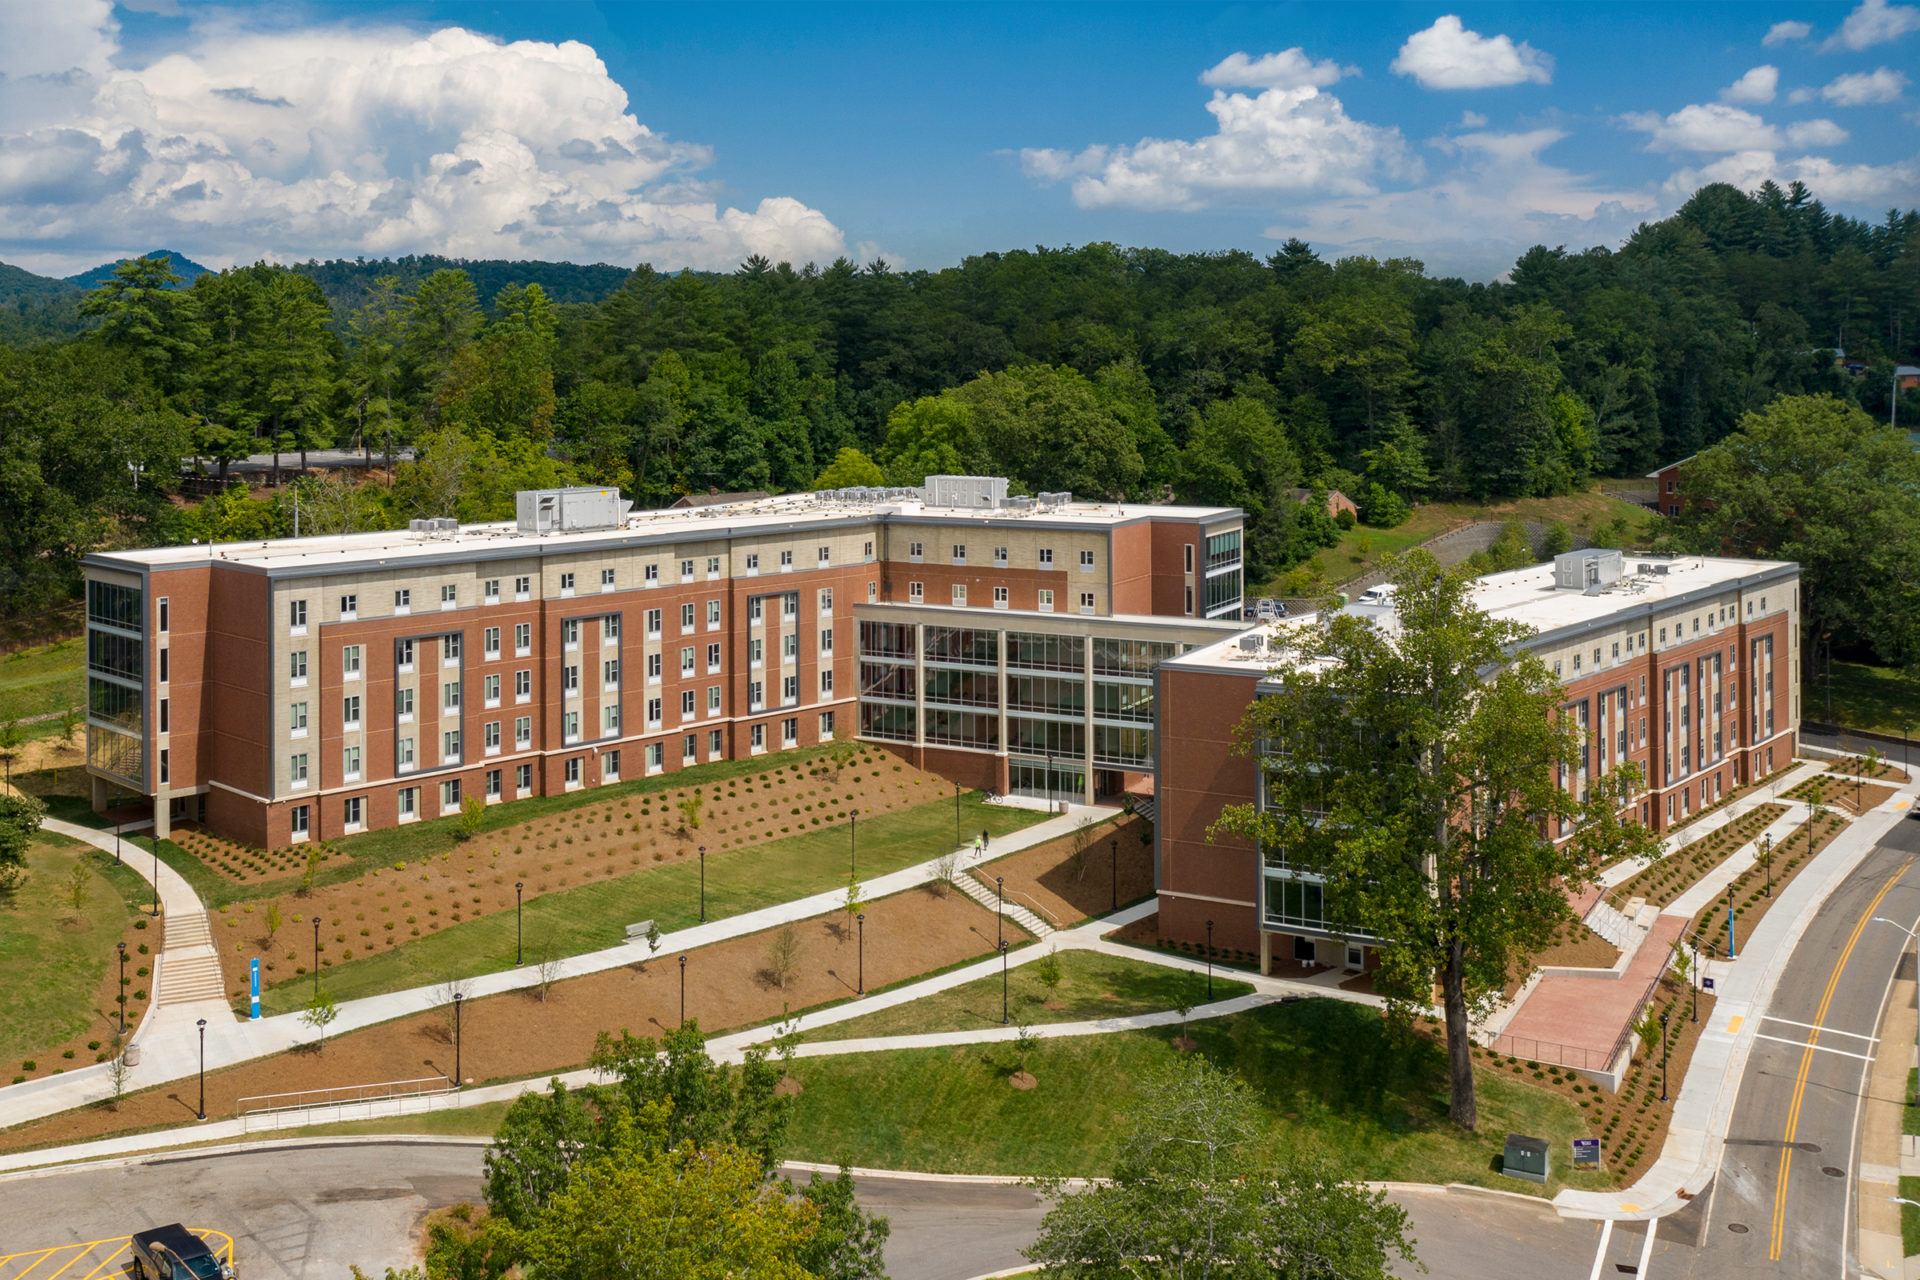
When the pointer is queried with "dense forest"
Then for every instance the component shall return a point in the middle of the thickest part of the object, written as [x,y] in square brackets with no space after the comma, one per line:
[1216,377]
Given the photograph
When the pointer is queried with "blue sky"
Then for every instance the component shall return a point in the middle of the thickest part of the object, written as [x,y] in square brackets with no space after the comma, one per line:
[694,135]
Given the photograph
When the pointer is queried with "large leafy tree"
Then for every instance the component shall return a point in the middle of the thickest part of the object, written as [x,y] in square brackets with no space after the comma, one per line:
[1814,480]
[1415,764]
[1196,1192]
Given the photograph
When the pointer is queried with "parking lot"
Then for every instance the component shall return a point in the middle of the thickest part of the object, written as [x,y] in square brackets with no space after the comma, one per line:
[92,1259]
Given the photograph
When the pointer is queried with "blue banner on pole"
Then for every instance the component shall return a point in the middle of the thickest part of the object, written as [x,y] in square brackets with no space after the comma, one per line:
[1706,984]
[254,965]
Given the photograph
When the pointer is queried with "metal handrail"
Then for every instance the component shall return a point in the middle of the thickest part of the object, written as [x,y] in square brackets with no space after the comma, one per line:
[393,1089]
[1050,917]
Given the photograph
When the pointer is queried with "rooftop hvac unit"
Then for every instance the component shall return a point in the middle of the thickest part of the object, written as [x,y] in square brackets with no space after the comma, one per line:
[1252,642]
[1586,570]
[1018,504]
[569,510]
[1056,498]
[964,491]
[433,525]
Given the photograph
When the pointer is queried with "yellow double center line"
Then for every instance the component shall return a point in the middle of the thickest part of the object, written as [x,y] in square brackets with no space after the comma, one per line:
[1806,1063]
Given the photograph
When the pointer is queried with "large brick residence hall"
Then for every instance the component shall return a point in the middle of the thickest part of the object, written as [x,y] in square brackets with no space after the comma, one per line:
[308,688]
[1690,667]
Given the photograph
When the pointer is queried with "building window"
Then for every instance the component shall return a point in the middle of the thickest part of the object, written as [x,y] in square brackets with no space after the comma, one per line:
[653,668]
[1086,562]
[450,649]
[490,642]
[757,737]
[570,633]
[1189,559]
[297,769]
[349,608]
[1049,604]
[714,741]
[713,567]
[166,719]
[686,660]
[689,748]
[297,666]
[491,737]
[1046,600]
[686,618]
[786,561]
[656,757]
[826,725]
[493,784]
[449,595]
[301,821]
[713,614]
[790,732]
[610,628]
[570,680]
[297,719]
[713,699]
[789,690]
[450,696]
[297,616]
[826,640]
[790,645]
[349,712]
[959,553]
[959,593]
[999,597]
[523,779]
[687,701]
[756,651]
[522,685]
[166,767]
[999,557]
[490,690]
[755,609]
[610,674]
[409,803]
[522,732]
[350,662]
[868,552]
[610,767]
[491,592]
[610,722]
[713,658]
[1046,557]
[826,600]
[403,754]
[165,614]
[826,681]
[350,763]
[1086,602]
[826,555]
[754,700]
[873,592]
[522,639]
[655,708]
[450,747]
[450,795]
[653,624]
[753,562]
[570,726]
[566,584]
[165,654]
[403,600]
[522,588]
[686,571]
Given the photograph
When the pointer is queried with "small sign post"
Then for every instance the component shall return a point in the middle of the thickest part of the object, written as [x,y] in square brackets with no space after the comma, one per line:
[254,967]
[1706,984]
[1586,1153]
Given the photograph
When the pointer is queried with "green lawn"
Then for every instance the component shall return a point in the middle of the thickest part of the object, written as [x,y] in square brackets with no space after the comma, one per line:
[1864,697]
[1092,985]
[593,916]
[49,677]
[1910,1217]
[53,967]
[1333,1076]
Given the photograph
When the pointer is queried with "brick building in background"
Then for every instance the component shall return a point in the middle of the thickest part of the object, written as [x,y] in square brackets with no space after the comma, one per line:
[313,687]
[1689,667]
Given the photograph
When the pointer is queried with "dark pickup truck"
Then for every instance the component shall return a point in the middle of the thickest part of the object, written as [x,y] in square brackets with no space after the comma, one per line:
[175,1253]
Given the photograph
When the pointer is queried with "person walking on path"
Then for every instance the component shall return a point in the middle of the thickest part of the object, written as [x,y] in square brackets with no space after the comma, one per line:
[976,848]
[986,840]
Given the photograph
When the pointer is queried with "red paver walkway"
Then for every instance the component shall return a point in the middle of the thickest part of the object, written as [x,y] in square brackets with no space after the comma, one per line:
[1587,1015]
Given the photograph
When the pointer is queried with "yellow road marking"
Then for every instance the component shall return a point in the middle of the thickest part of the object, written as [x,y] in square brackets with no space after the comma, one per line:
[110,1257]
[1775,1242]
[1629,1208]
[81,1253]
[1733,1023]
[36,1262]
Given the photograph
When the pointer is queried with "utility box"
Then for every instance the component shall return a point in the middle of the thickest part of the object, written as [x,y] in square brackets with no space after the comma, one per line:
[965,491]
[569,510]
[1526,1158]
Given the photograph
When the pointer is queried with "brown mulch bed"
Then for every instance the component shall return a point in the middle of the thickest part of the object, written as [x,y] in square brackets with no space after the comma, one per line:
[1751,900]
[1068,893]
[1578,947]
[516,1035]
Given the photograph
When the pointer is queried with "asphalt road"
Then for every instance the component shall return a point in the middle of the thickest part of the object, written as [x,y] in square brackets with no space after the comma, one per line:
[308,1212]
[1782,1204]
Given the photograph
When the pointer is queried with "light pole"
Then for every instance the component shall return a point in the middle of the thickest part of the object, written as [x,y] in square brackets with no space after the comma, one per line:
[7,758]
[861,920]
[1113,847]
[1663,1057]
[1766,851]
[1003,982]
[458,1076]
[1696,980]
[518,936]
[156,873]
[1209,959]
[703,892]
[316,957]
[1731,954]
[122,999]
[203,1070]
[683,991]
[1000,910]
[853,846]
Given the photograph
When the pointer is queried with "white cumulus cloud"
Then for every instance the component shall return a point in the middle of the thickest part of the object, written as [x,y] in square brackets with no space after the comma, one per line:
[1830,180]
[345,139]
[1288,142]
[1754,88]
[1786,33]
[1874,22]
[1860,88]
[1448,56]
[1711,126]
[1288,69]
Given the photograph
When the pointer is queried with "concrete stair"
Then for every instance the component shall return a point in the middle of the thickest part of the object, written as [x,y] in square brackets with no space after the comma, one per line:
[189,967]
[984,895]
[1612,924]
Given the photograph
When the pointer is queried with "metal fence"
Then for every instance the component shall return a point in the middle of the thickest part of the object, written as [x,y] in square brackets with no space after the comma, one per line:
[1579,1057]
[355,1101]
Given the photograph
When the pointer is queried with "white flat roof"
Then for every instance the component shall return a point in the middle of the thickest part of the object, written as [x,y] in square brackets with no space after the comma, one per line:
[795,512]
[1528,596]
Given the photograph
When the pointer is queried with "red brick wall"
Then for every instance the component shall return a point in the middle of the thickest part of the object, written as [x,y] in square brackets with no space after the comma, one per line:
[1201,879]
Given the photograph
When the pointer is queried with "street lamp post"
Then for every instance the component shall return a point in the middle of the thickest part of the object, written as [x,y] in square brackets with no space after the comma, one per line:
[1731,953]
[203,1070]
[1663,1057]
[457,1075]
[1113,848]
[7,758]
[122,998]
[316,956]
[683,991]
[1766,851]
[519,954]
[861,920]
[1209,959]
[703,890]
[1003,982]
[1000,909]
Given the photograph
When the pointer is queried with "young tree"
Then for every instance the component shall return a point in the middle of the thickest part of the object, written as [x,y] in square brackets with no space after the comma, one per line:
[119,1074]
[443,995]
[20,818]
[690,811]
[945,869]
[1195,1193]
[1423,789]
[273,920]
[783,955]
[546,964]
[77,888]
[856,897]
[473,812]
[319,1014]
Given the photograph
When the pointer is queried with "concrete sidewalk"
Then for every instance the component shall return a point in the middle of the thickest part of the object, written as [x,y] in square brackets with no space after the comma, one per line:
[1745,986]
[169,1040]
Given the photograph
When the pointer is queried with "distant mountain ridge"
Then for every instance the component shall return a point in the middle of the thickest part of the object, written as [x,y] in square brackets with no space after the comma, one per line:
[186,268]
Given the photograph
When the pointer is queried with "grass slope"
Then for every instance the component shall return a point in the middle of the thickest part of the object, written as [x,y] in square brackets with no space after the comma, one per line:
[593,916]
[1864,697]
[1333,1077]
[54,967]
[44,678]
[1092,985]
